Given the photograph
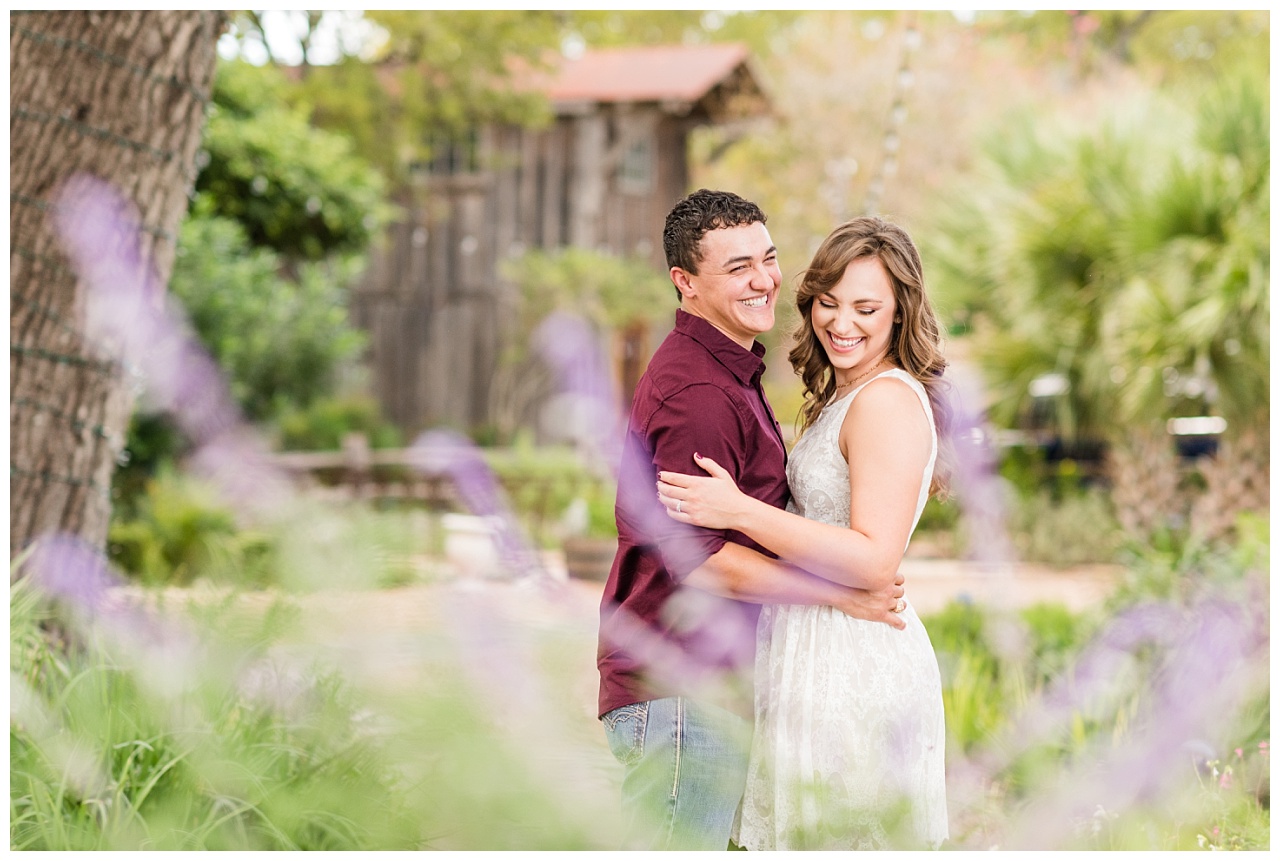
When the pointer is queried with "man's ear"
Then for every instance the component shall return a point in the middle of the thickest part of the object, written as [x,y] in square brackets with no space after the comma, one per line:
[680,278]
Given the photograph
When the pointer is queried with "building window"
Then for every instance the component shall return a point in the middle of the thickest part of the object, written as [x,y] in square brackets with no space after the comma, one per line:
[451,156]
[635,172]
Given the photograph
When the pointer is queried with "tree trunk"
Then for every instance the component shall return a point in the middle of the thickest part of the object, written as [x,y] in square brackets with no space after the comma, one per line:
[120,95]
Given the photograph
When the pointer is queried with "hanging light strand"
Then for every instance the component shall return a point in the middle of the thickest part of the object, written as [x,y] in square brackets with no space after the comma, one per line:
[891,142]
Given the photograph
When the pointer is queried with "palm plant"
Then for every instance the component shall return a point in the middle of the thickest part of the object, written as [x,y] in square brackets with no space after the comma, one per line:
[1197,272]
[1130,259]
[1111,255]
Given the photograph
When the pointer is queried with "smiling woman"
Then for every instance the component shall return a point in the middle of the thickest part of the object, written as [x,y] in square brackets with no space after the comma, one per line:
[855,319]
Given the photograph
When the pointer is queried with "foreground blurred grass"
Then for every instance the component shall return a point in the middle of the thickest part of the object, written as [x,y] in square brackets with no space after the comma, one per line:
[264,726]
[456,714]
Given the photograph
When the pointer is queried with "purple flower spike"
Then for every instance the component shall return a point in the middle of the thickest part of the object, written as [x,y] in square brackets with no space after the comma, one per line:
[126,311]
[127,315]
[978,484]
[77,575]
[1184,672]
[66,568]
[586,395]
[448,453]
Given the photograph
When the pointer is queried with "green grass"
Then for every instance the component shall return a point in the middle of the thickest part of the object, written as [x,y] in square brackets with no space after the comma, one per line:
[301,717]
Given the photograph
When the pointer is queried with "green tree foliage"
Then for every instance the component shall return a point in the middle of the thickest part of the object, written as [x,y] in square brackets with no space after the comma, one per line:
[430,76]
[276,232]
[435,75]
[282,215]
[1168,44]
[294,188]
[609,291]
[1132,258]
[279,340]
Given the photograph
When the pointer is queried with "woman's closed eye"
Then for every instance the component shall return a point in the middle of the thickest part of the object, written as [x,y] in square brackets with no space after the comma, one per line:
[865,312]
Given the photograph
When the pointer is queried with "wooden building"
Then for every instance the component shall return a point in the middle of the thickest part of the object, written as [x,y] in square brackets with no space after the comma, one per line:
[601,176]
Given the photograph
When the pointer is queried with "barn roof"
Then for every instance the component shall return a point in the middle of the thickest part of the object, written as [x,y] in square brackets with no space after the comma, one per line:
[717,79]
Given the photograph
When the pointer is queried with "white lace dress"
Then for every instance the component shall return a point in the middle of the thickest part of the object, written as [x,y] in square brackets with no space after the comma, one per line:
[849,740]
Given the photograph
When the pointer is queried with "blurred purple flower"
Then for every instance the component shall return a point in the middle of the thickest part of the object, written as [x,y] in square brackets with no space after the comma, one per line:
[570,346]
[67,569]
[978,486]
[695,668]
[449,453]
[586,397]
[126,309]
[1190,670]
[126,312]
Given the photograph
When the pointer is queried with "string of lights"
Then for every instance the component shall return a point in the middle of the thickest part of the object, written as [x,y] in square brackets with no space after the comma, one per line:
[164,155]
[131,371]
[48,260]
[62,415]
[106,368]
[45,206]
[891,142]
[111,59]
[46,476]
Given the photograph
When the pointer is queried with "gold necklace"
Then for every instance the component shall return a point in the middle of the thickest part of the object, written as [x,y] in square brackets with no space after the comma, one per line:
[840,386]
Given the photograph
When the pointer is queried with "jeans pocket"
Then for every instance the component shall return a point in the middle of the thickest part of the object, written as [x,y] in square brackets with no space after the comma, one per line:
[624,728]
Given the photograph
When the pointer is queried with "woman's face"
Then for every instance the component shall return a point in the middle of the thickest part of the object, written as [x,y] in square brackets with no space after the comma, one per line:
[854,320]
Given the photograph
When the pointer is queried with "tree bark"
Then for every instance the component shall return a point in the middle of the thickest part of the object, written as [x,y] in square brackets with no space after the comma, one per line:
[120,95]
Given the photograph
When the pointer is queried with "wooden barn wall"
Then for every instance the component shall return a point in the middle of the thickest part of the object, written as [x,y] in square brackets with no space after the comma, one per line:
[427,304]
[432,301]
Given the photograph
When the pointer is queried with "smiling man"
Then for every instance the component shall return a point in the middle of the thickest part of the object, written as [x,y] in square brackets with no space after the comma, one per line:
[679,611]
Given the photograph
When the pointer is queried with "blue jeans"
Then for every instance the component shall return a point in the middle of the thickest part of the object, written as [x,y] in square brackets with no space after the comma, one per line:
[686,769]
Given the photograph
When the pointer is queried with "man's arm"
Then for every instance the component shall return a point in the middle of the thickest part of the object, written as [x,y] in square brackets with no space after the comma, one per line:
[743,574]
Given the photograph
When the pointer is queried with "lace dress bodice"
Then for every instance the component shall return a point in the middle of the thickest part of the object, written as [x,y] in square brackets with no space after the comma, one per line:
[849,738]
[818,473]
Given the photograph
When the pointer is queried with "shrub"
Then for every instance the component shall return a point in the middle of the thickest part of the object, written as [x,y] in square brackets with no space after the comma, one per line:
[180,532]
[322,425]
[543,483]
[1177,567]
[1064,529]
[992,663]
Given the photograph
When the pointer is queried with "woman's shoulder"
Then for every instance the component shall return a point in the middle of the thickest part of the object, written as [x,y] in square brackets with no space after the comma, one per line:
[894,394]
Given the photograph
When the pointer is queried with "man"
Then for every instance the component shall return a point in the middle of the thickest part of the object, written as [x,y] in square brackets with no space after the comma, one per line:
[678,615]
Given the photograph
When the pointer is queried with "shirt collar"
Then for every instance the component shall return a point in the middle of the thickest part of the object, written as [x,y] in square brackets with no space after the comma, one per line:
[746,365]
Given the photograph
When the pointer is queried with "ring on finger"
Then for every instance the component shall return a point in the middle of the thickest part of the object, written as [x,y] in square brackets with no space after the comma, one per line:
[900,606]
[679,502]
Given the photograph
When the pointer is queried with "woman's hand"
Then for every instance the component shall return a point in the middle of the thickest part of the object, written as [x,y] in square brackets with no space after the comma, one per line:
[713,502]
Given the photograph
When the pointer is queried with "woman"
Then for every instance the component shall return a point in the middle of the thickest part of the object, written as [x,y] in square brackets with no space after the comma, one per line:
[849,740]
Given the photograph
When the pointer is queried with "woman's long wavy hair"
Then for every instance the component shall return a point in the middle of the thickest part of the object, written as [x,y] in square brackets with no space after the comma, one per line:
[915,343]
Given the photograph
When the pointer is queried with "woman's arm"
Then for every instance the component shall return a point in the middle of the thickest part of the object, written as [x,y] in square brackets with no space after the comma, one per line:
[886,441]
[746,575]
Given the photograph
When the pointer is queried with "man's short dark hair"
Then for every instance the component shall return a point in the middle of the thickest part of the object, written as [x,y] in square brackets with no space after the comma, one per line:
[700,212]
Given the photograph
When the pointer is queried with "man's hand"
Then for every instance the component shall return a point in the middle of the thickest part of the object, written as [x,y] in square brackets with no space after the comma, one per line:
[874,606]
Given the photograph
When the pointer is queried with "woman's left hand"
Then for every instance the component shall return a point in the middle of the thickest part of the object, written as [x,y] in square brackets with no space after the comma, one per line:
[713,502]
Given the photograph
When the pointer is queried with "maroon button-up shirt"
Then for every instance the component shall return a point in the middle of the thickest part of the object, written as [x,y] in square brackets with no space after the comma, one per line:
[701,393]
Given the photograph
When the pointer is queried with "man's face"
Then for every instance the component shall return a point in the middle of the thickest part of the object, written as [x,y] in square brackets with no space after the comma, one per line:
[736,287]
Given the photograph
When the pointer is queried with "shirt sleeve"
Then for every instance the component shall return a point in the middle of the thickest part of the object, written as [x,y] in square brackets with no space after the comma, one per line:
[704,419]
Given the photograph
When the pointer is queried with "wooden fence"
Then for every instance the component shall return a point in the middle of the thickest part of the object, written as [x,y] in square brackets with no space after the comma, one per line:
[390,476]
